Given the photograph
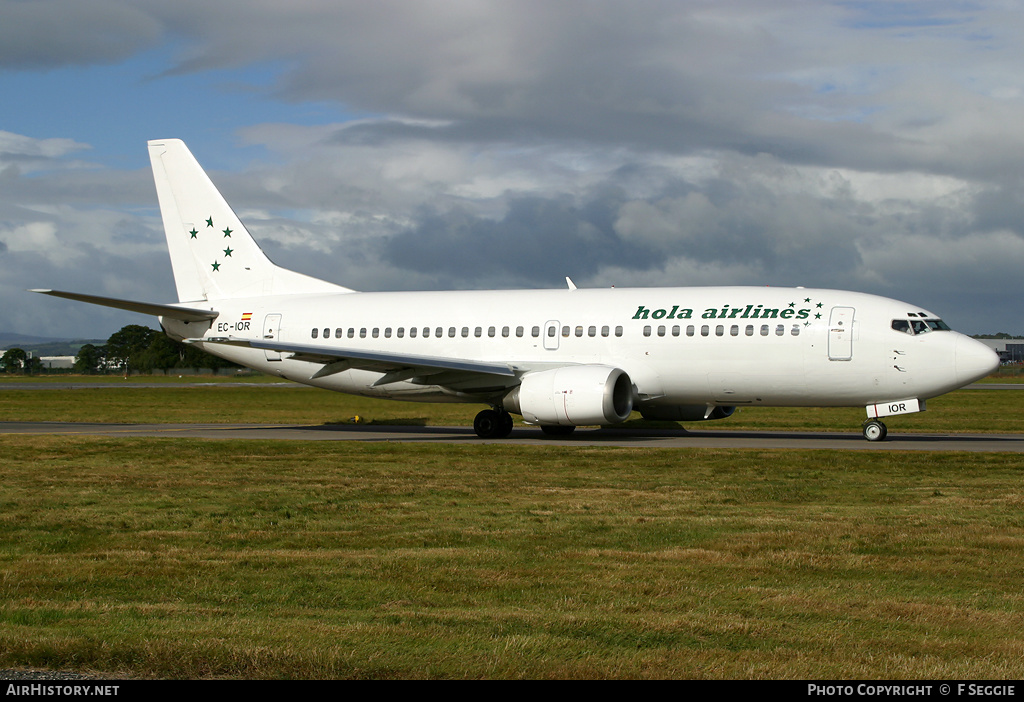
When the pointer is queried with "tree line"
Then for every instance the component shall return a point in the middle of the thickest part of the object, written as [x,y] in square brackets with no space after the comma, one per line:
[133,348]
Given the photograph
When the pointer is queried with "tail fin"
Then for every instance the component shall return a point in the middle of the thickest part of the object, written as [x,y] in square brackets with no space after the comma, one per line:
[212,254]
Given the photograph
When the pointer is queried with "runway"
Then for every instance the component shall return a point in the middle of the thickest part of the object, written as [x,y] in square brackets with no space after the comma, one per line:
[647,438]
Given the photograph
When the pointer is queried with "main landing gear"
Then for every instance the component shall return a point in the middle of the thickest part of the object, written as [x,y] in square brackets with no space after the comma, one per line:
[493,424]
[874,430]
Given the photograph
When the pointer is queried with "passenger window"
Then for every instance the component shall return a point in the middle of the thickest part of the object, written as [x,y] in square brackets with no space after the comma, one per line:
[764,330]
[338,332]
[675,330]
[362,333]
[316,332]
[661,330]
[647,330]
[376,332]
[551,332]
[327,333]
[690,330]
[351,332]
[387,332]
[705,330]
[795,331]
[750,330]
[400,332]
[605,330]
[478,332]
[451,332]
[490,331]
[535,332]
[519,331]
[618,331]
[565,331]
[439,332]
[592,331]
[780,330]
[720,330]
[412,332]
[465,332]
[579,332]
[734,330]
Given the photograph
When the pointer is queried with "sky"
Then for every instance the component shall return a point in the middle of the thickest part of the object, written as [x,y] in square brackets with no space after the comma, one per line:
[479,144]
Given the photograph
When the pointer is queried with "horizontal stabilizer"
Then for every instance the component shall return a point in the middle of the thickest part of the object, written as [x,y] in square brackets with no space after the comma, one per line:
[185,314]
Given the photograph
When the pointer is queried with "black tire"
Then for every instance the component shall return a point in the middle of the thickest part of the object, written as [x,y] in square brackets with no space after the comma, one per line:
[488,425]
[875,430]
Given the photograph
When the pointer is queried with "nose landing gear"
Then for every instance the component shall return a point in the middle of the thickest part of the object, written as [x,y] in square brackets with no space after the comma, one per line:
[874,430]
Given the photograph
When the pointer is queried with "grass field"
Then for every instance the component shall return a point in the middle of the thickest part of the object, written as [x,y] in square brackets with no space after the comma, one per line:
[179,558]
[284,559]
[975,411]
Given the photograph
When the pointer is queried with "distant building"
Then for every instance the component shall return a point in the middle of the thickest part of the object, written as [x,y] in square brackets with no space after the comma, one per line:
[57,361]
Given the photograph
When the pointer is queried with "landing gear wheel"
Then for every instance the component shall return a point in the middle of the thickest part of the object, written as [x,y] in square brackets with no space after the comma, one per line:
[874,430]
[492,424]
[557,429]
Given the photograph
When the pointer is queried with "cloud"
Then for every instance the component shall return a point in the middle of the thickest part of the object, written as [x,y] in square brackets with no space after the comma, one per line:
[44,34]
[868,145]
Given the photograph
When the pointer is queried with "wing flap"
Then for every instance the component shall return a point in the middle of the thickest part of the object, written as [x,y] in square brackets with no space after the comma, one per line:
[396,367]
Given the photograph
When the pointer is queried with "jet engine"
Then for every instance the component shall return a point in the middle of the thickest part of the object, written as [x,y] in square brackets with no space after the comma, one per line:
[573,396]
[686,413]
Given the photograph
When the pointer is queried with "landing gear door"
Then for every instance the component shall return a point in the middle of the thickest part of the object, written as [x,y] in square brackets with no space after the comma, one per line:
[840,334]
[272,332]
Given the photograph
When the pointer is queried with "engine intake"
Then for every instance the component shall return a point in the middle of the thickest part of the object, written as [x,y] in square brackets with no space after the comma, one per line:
[573,396]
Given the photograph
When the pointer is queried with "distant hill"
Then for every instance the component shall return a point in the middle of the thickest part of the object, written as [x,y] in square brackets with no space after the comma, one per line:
[45,346]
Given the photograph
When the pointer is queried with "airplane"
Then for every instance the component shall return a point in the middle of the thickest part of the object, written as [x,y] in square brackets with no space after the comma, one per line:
[558,358]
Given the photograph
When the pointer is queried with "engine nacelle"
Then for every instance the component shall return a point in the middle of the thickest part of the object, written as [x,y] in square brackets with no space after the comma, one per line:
[573,396]
[686,413]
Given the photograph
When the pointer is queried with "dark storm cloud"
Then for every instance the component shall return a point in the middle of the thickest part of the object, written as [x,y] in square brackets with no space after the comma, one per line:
[543,240]
[45,34]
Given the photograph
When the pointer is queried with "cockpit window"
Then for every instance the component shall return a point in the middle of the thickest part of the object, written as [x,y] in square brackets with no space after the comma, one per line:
[919,326]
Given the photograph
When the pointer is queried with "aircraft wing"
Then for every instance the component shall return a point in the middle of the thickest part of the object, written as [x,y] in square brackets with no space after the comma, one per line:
[395,366]
[185,314]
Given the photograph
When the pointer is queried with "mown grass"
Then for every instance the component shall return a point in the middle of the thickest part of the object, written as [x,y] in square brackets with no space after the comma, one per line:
[189,558]
[974,411]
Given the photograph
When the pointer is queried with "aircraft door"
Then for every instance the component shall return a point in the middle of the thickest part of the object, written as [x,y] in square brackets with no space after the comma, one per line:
[840,334]
[272,332]
[551,335]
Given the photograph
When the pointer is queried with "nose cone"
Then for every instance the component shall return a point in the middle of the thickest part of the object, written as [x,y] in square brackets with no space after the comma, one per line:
[974,360]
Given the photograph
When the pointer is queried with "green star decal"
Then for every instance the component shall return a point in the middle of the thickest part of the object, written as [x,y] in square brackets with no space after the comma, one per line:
[792,304]
[227,251]
[209,222]
[819,305]
[194,233]
[807,299]
[818,315]
[216,266]
[227,232]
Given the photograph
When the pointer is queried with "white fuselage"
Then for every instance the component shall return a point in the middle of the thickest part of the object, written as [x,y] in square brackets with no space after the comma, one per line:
[717,346]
